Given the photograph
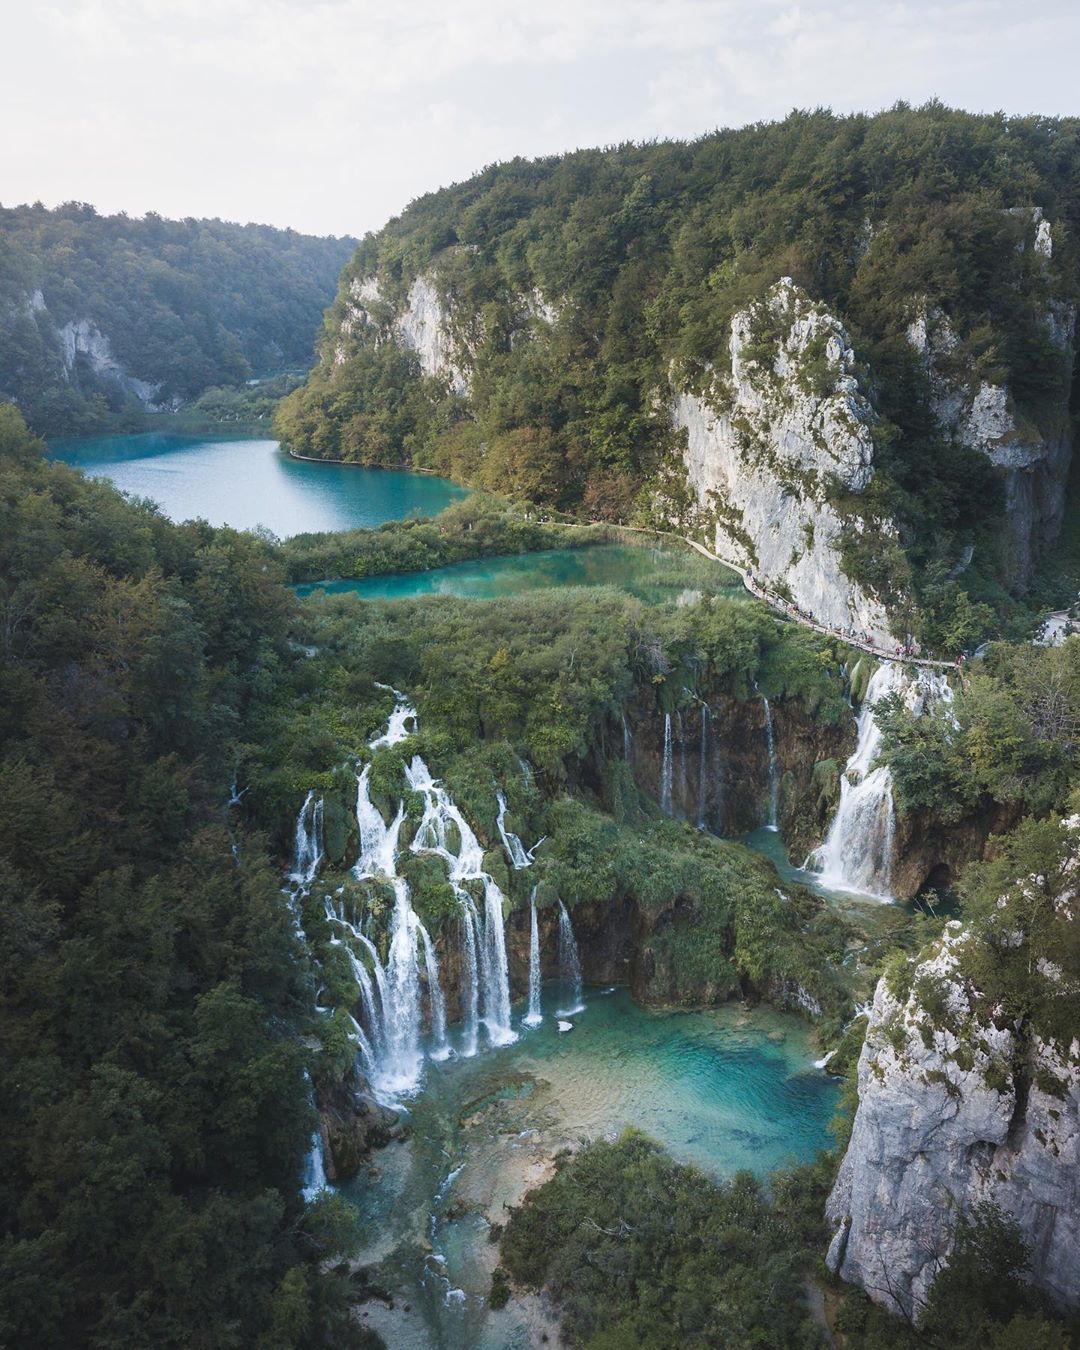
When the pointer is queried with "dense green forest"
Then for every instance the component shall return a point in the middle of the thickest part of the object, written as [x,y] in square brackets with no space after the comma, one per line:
[580,289]
[158,1007]
[184,305]
[155,1114]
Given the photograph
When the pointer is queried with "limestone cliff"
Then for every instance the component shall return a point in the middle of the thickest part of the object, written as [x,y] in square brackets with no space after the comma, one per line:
[424,325]
[1031,456]
[83,339]
[957,1105]
[768,447]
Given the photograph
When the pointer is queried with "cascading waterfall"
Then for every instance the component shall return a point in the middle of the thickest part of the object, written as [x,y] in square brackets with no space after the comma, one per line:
[857,852]
[393,995]
[378,842]
[402,723]
[470,993]
[307,851]
[515,849]
[627,740]
[314,1179]
[665,769]
[401,1016]
[314,1168]
[436,1003]
[394,1019]
[533,1017]
[467,865]
[773,823]
[569,963]
[497,992]
[367,1055]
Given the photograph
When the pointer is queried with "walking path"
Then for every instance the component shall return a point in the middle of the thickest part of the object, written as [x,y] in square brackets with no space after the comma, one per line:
[787,610]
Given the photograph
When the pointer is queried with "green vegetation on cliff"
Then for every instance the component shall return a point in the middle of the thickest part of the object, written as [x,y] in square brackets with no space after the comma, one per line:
[578,288]
[1011,737]
[183,304]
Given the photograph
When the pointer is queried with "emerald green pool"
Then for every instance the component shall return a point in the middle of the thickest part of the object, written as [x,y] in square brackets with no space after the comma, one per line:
[652,574]
[249,483]
[725,1089]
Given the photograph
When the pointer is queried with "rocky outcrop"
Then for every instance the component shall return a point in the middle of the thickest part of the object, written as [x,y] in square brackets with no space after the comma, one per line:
[1032,459]
[352,1124]
[768,447]
[956,1107]
[926,853]
[82,338]
[444,340]
[423,326]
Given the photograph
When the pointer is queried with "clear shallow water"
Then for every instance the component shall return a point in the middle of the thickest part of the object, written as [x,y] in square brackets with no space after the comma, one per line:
[652,574]
[724,1089]
[249,483]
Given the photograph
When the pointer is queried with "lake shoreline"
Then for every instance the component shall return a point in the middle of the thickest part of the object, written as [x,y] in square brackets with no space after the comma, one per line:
[249,483]
[352,464]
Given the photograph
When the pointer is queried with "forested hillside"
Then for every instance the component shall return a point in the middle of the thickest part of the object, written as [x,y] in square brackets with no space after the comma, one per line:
[559,327]
[102,317]
[155,1115]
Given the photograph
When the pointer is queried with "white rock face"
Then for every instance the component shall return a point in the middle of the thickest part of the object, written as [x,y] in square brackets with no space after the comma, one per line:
[83,337]
[761,447]
[1034,462]
[932,1139]
[423,327]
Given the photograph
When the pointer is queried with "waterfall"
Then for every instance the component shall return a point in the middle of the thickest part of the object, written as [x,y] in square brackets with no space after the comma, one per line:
[372,1009]
[857,852]
[470,992]
[400,1070]
[314,1164]
[497,993]
[468,865]
[515,849]
[665,769]
[378,841]
[533,1017]
[367,1055]
[314,1168]
[773,823]
[402,723]
[307,850]
[393,996]
[436,1003]
[703,750]
[627,740]
[569,963]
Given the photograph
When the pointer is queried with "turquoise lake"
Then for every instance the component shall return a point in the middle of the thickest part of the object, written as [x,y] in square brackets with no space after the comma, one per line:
[652,574]
[249,483]
[725,1089]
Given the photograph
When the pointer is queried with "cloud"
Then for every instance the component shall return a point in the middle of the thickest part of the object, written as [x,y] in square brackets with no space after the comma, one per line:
[330,115]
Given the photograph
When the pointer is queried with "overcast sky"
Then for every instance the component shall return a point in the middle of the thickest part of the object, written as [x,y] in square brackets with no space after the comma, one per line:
[331,115]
